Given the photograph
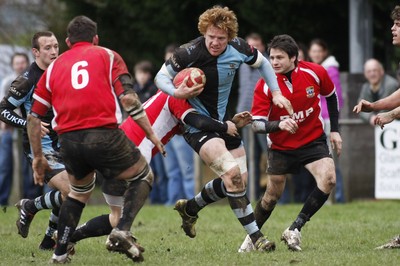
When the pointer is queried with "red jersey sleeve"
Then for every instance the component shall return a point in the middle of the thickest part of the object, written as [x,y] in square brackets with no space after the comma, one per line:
[261,101]
[42,97]
[119,68]
[179,107]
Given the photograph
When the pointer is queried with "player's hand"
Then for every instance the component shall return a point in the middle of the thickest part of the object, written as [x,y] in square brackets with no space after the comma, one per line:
[336,142]
[44,130]
[383,118]
[40,166]
[185,92]
[232,129]
[279,100]
[363,106]
[372,120]
[161,148]
[242,119]
[288,125]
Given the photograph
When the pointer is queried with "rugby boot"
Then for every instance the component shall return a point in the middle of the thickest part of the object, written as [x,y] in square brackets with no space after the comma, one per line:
[123,242]
[292,239]
[188,221]
[25,218]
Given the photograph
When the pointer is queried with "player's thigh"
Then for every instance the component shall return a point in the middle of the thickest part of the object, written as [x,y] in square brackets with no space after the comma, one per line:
[213,149]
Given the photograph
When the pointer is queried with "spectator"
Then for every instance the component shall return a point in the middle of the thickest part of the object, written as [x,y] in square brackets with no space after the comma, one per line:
[378,85]
[303,52]
[319,54]
[255,144]
[19,62]
[144,85]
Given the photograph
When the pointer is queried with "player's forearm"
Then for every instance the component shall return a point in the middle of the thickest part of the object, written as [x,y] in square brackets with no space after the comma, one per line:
[130,100]
[34,133]
[333,110]
[263,126]
[388,103]
[133,106]
[8,116]
[395,113]
[144,124]
[163,81]
[205,123]
[268,74]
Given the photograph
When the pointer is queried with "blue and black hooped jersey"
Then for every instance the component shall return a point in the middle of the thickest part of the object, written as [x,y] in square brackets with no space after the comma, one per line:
[220,72]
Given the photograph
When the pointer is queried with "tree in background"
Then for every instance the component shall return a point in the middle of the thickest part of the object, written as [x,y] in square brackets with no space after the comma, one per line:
[141,29]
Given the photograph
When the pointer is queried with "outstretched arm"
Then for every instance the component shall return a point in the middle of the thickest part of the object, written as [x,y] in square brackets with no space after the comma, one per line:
[263,126]
[388,103]
[268,74]
[387,117]
[39,165]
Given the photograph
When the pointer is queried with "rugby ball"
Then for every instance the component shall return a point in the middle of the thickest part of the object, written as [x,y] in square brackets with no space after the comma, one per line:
[196,76]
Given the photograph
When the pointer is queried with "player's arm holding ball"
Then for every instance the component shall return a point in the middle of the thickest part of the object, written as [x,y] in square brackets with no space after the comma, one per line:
[189,83]
[187,88]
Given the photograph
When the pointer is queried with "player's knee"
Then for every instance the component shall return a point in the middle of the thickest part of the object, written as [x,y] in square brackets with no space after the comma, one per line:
[230,170]
[242,163]
[225,164]
[146,175]
[233,181]
[330,181]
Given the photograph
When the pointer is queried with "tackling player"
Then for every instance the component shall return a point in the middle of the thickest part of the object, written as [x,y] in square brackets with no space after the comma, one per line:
[298,139]
[165,114]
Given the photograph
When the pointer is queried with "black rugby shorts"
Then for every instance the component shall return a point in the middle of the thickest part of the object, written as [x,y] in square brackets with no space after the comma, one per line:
[106,150]
[197,140]
[289,162]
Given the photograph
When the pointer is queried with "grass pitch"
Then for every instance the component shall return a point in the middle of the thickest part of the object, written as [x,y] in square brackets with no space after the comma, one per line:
[337,235]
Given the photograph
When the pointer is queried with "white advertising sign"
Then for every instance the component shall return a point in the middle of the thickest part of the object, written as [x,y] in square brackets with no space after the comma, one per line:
[387,161]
